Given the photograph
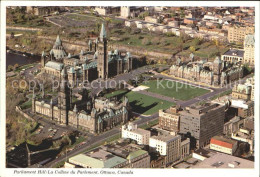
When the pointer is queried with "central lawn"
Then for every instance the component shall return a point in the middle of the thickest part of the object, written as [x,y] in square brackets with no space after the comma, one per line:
[140,103]
[175,90]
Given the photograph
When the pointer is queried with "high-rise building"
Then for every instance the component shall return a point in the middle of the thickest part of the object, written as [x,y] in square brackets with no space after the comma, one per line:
[202,122]
[249,47]
[237,33]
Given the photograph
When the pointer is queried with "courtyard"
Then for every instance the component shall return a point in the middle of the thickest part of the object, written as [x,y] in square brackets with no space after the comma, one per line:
[141,103]
[173,89]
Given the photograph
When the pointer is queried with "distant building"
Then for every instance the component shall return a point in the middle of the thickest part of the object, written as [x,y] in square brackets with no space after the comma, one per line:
[41,10]
[249,47]
[167,145]
[140,135]
[241,91]
[251,82]
[237,34]
[222,144]
[131,11]
[202,122]
[107,10]
[151,19]
[233,55]
[190,21]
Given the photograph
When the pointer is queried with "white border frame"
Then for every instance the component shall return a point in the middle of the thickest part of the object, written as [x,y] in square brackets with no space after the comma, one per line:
[137,172]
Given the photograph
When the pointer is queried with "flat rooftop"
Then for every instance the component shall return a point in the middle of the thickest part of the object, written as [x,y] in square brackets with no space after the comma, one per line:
[235,52]
[224,139]
[221,160]
[166,137]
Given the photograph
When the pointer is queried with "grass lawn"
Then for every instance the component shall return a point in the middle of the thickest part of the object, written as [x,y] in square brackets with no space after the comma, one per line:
[140,103]
[150,124]
[175,90]
[26,105]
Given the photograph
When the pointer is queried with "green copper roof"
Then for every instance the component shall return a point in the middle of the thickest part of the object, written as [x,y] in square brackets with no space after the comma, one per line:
[135,154]
[54,65]
[96,163]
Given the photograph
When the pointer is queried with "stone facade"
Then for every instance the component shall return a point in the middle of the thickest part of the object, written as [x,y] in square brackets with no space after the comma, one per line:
[89,65]
[249,47]
[212,73]
[169,119]
[95,115]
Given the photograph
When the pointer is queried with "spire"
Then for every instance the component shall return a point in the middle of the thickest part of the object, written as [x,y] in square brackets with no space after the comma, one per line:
[43,91]
[58,41]
[64,72]
[75,108]
[81,52]
[103,32]
[33,96]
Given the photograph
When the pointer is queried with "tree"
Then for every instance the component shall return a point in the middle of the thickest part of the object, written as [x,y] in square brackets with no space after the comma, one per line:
[197,41]
[9,68]
[15,66]
[192,49]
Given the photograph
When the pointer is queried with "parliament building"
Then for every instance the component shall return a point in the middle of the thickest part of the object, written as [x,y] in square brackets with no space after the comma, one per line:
[93,114]
[89,65]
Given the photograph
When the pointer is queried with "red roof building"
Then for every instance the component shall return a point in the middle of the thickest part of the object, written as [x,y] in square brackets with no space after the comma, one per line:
[222,144]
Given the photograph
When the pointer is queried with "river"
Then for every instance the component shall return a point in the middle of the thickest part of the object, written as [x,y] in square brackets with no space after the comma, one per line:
[13,58]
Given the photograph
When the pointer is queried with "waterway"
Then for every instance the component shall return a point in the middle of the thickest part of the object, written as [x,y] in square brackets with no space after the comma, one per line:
[15,57]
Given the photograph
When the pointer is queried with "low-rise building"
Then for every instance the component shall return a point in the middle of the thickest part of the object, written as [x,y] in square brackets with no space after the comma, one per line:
[97,158]
[107,10]
[241,91]
[121,154]
[167,145]
[232,125]
[245,135]
[131,131]
[221,160]
[233,55]
[244,108]
[222,144]
[151,19]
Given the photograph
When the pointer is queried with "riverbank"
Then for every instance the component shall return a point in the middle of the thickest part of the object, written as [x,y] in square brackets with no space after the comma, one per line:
[21,58]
